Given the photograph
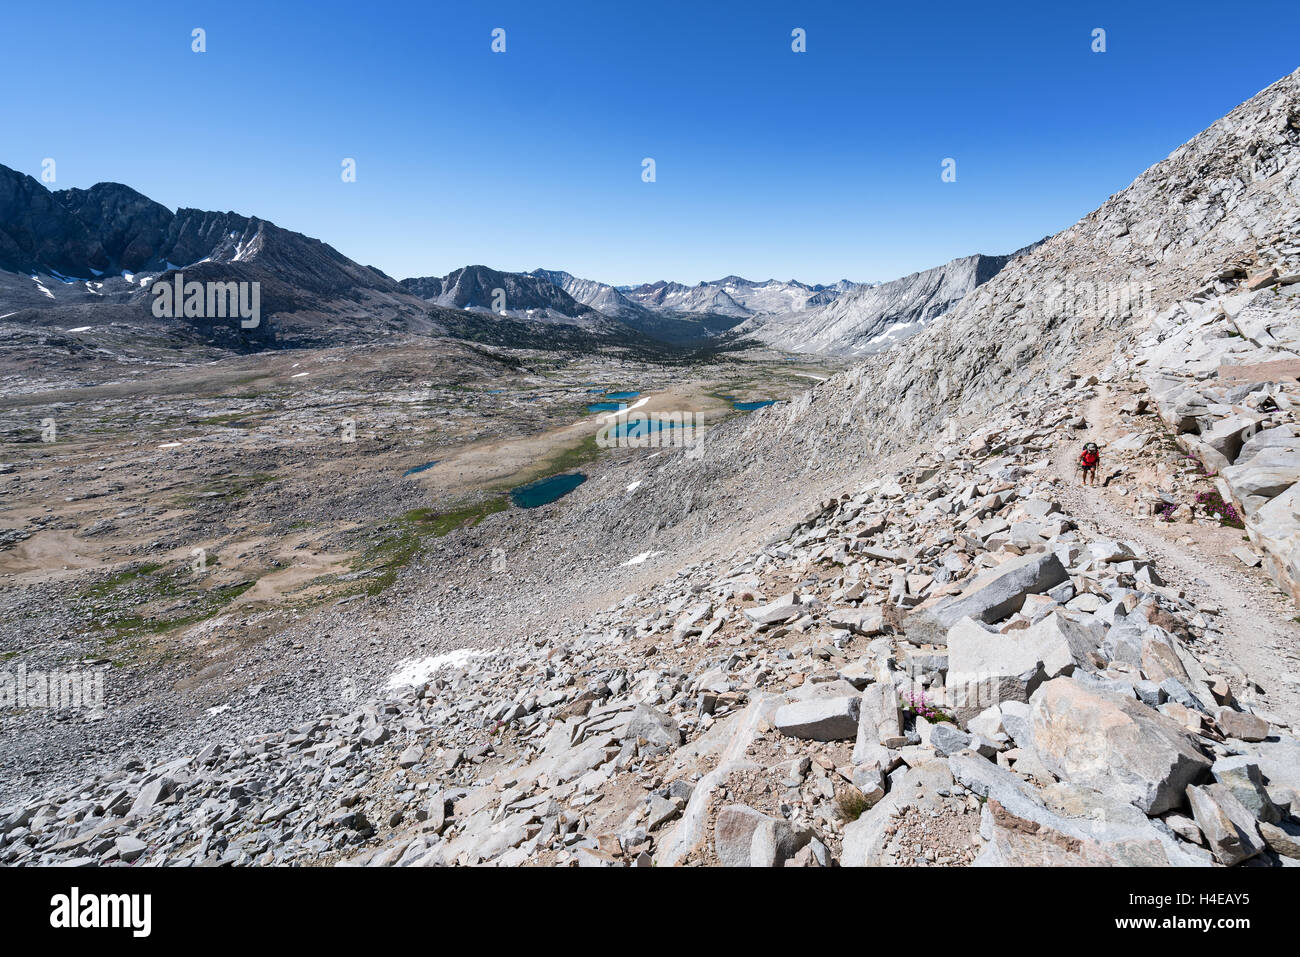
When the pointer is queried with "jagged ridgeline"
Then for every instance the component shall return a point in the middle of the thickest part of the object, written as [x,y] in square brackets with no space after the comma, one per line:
[69,252]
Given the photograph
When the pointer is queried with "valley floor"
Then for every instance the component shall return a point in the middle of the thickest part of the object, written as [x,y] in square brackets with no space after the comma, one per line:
[323,562]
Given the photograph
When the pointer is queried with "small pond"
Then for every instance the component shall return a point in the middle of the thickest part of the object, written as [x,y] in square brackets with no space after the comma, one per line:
[547,490]
[641,427]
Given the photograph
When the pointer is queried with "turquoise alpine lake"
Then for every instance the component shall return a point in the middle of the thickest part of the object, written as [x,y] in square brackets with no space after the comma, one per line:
[751,406]
[420,468]
[639,427]
[547,490]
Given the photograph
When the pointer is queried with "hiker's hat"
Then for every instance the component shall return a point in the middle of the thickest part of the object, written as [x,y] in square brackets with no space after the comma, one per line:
[1090,446]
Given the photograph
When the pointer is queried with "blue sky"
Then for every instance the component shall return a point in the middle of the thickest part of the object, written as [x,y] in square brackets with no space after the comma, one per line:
[770,163]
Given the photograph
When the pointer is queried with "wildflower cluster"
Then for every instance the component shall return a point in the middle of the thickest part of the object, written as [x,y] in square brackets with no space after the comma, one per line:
[1201,470]
[1212,503]
[915,702]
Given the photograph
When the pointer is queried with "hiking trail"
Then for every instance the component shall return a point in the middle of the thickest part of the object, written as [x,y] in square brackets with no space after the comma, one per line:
[1261,635]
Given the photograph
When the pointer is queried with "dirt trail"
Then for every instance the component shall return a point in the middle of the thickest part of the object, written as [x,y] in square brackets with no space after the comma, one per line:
[1260,634]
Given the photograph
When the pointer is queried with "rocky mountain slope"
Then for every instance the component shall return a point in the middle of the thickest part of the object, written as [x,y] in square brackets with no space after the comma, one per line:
[475,288]
[70,251]
[869,319]
[920,663]
[111,229]
[1219,368]
[600,296]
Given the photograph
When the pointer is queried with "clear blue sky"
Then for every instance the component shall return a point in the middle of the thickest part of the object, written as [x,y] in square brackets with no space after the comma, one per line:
[818,165]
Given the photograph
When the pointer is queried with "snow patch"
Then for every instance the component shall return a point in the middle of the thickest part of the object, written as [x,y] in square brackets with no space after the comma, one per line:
[635,405]
[638,559]
[416,671]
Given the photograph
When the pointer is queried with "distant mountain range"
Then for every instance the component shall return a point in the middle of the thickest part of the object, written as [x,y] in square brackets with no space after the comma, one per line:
[734,296]
[518,295]
[67,254]
[676,312]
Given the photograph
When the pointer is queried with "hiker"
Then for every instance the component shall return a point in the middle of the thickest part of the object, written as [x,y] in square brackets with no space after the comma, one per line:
[1089,461]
